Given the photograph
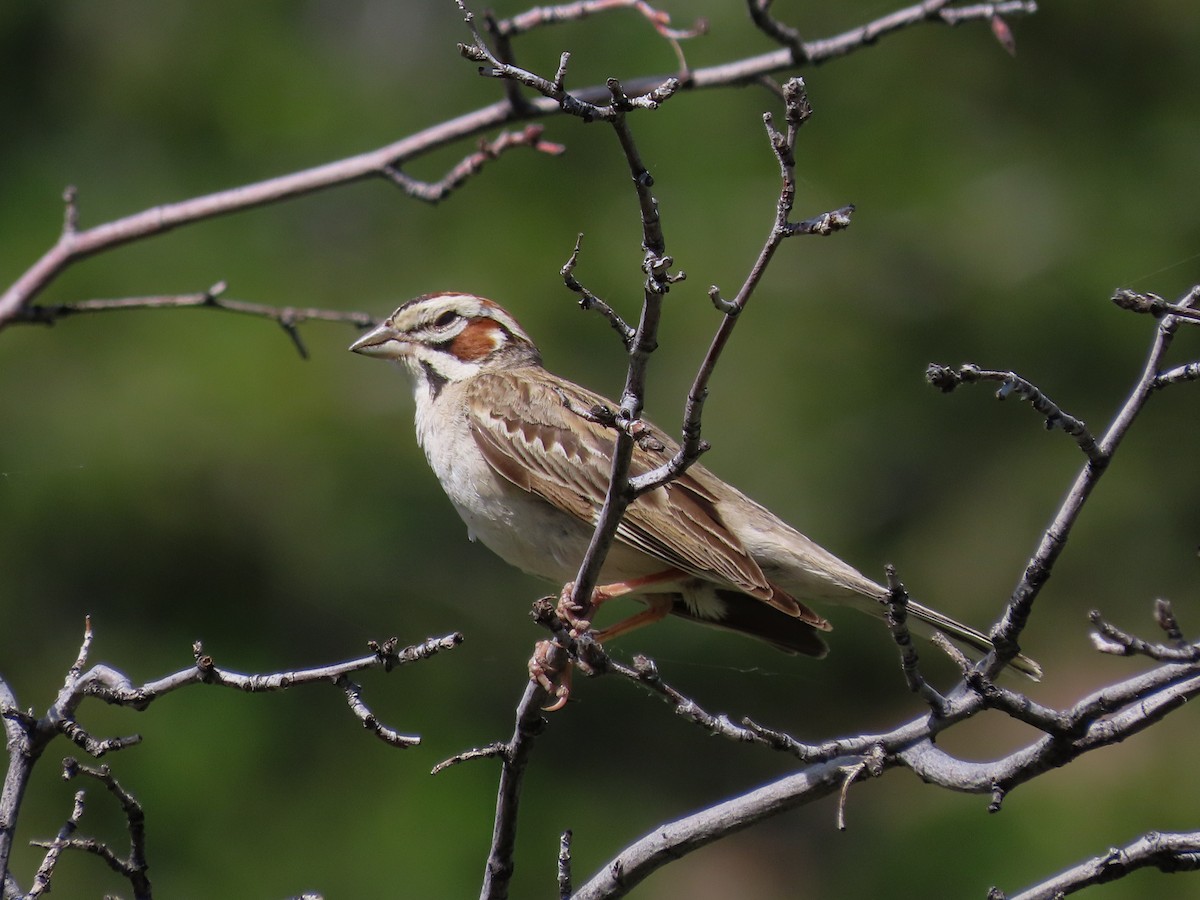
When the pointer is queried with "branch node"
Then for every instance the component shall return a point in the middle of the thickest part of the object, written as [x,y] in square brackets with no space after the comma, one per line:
[70,211]
[849,773]
[561,75]
[997,801]
[727,307]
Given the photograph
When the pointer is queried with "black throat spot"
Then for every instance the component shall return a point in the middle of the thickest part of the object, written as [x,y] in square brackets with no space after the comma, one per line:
[435,379]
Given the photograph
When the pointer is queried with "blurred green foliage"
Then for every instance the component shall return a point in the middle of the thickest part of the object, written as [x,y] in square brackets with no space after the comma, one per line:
[184,475]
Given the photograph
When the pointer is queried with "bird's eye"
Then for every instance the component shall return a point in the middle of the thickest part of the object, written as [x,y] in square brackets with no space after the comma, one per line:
[445,318]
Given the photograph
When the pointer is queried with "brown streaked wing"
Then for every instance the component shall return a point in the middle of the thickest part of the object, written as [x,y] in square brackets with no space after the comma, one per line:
[528,435]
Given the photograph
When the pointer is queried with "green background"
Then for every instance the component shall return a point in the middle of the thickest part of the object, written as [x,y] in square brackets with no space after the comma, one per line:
[184,475]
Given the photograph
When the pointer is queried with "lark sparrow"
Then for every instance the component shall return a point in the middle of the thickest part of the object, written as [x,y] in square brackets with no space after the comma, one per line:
[527,469]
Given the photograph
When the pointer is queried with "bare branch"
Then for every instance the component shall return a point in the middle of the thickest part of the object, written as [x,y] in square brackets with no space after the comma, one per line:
[569,103]
[70,210]
[287,317]
[134,866]
[658,280]
[897,622]
[542,16]
[939,11]
[112,687]
[491,751]
[1178,375]
[74,244]
[45,872]
[1158,307]
[645,673]
[1101,719]
[1037,571]
[782,34]
[589,301]
[946,379]
[1111,639]
[370,722]
[435,192]
[1165,851]
[783,145]
[28,735]
[529,724]
[666,843]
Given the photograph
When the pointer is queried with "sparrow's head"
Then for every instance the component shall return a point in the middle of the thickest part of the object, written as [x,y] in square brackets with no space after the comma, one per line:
[450,337]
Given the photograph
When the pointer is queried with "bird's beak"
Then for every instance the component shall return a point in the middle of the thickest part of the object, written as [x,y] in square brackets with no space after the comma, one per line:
[380,341]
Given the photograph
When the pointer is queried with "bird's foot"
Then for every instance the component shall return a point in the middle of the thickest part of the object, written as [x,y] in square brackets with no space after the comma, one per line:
[575,615]
[545,672]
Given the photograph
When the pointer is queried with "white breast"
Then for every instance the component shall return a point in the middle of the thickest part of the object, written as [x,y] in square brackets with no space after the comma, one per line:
[519,527]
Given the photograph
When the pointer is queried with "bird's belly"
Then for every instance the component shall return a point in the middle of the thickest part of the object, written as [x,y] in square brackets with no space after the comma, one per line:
[520,527]
[526,532]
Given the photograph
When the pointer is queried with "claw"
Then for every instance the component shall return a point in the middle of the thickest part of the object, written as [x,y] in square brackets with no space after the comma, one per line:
[577,619]
[541,671]
[571,613]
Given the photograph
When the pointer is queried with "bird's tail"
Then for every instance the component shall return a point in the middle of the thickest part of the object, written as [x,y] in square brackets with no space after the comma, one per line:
[965,634]
[748,616]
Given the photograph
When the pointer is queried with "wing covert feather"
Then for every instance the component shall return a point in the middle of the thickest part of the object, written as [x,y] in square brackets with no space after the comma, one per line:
[531,436]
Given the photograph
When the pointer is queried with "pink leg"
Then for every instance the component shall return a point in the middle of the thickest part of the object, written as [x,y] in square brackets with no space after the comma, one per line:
[571,614]
[657,607]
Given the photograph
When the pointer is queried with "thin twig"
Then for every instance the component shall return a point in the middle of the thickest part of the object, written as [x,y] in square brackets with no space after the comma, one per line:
[45,872]
[644,673]
[783,145]
[113,687]
[435,192]
[1156,306]
[134,866]
[287,317]
[946,379]
[369,721]
[541,16]
[491,751]
[777,31]
[1036,572]
[589,301]
[1113,640]
[897,622]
